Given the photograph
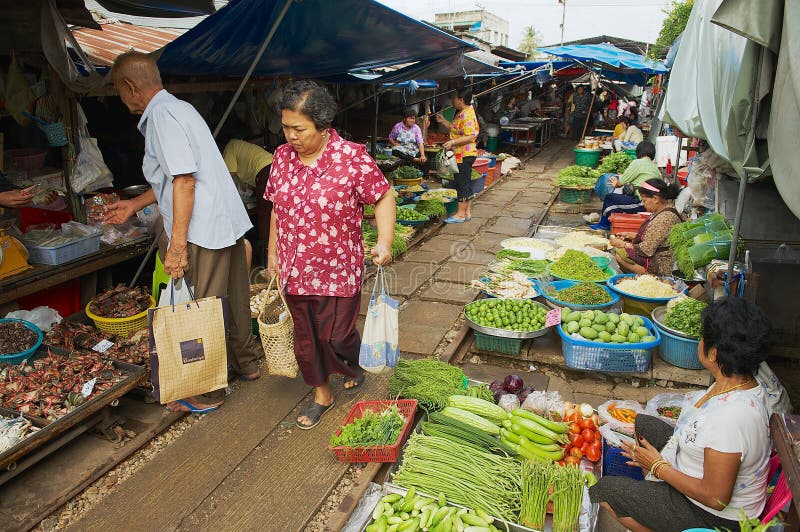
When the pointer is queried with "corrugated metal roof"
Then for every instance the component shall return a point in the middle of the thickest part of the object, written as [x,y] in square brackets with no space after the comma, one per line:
[103,46]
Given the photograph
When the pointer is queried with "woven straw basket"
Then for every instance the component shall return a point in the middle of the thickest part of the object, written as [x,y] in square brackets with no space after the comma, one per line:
[276,328]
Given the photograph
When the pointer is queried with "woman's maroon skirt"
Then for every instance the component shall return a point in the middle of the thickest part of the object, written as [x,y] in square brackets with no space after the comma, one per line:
[326,340]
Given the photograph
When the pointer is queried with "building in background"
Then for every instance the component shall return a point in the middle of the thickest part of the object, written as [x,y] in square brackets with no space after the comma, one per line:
[479,23]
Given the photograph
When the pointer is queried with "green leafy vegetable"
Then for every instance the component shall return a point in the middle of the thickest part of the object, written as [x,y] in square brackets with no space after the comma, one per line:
[371,429]
[614,163]
[577,266]
[577,176]
[686,316]
[431,208]
[409,215]
[407,172]
[529,267]
[510,253]
[584,294]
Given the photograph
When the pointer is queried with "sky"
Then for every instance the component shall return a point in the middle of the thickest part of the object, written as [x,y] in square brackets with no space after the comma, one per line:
[638,20]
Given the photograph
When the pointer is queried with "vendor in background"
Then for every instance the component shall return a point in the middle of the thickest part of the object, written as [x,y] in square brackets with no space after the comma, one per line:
[632,134]
[511,110]
[203,215]
[14,197]
[647,250]
[713,465]
[406,138]
[250,164]
[464,131]
[619,129]
[319,184]
[532,107]
[628,201]
[581,102]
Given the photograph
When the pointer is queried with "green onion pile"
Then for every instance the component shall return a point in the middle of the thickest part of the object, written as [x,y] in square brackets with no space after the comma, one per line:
[577,266]
[371,430]
[465,474]
[584,294]
[428,380]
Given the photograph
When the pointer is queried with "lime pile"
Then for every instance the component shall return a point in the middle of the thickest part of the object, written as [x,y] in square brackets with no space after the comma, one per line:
[521,315]
[606,327]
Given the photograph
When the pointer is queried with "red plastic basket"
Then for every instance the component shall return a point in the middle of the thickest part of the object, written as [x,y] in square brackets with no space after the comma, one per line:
[383,453]
[627,223]
[29,216]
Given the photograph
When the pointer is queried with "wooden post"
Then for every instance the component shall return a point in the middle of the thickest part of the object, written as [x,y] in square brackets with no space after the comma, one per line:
[588,115]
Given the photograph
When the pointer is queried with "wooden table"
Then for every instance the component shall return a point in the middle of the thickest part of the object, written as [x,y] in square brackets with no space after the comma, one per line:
[785,431]
[42,277]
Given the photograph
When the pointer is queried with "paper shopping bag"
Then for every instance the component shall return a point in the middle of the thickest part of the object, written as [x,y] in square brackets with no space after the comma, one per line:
[188,351]
[379,343]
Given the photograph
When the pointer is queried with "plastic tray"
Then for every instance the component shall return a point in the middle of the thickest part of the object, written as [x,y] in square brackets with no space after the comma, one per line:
[617,278]
[19,357]
[54,256]
[560,285]
[383,453]
[612,358]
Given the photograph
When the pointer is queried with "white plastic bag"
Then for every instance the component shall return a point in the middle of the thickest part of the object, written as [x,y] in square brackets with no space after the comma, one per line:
[42,317]
[613,437]
[182,293]
[379,343]
[664,400]
[508,402]
[777,398]
[90,172]
[616,424]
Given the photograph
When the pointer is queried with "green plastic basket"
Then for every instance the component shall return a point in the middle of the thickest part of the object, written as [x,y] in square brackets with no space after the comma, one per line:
[585,157]
[497,344]
[631,153]
[575,195]
[451,207]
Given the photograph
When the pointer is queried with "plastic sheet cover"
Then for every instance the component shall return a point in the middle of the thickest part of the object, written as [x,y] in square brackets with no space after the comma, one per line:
[607,54]
[712,89]
[316,38]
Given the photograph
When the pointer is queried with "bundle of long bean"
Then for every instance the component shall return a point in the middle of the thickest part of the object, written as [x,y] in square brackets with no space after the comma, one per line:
[536,482]
[567,498]
[429,381]
[464,474]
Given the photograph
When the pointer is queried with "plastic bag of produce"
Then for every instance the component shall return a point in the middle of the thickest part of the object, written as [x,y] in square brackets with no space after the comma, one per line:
[508,402]
[665,406]
[613,437]
[620,414]
[379,343]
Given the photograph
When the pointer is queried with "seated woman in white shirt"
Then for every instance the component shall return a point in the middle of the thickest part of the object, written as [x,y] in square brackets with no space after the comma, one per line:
[632,134]
[713,465]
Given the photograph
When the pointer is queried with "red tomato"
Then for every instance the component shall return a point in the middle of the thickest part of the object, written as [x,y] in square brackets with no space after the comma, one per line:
[593,453]
[571,460]
[574,428]
[571,415]
[586,423]
[588,435]
[576,453]
[584,446]
[575,440]
[597,436]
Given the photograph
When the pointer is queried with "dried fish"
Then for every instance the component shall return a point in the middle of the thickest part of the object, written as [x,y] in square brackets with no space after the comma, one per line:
[15,338]
[121,302]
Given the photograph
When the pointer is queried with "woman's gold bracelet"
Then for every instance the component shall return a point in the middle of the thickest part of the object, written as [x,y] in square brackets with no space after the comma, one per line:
[656,465]
[658,468]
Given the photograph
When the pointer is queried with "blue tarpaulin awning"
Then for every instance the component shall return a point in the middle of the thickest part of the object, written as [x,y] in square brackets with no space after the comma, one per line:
[607,55]
[316,38]
[623,76]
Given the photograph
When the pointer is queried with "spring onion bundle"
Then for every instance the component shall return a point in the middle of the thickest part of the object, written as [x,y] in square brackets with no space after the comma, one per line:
[463,473]
[429,381]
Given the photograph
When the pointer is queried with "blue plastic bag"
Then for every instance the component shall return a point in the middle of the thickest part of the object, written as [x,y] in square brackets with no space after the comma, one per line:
[602,186]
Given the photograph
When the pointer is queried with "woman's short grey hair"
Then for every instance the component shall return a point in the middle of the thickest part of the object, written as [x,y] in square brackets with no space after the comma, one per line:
[312,100]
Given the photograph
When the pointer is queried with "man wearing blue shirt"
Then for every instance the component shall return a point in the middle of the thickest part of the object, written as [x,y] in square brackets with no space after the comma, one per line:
[204,219]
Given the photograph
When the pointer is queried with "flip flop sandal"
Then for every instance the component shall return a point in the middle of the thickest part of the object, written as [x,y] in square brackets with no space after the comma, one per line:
[359,381]
[314,411]
[194,409]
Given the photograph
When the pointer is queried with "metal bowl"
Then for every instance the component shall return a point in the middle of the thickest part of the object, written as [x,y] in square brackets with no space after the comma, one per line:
[659,314]
[504,333]
[136,190]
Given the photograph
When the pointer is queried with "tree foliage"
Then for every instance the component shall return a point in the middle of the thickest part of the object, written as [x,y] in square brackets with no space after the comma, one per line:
[531,40]
[674,24]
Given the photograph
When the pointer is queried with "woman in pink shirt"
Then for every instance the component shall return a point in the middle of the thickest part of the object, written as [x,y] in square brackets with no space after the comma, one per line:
[319,184]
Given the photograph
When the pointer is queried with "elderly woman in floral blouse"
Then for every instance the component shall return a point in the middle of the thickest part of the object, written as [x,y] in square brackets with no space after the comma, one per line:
[319,184]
